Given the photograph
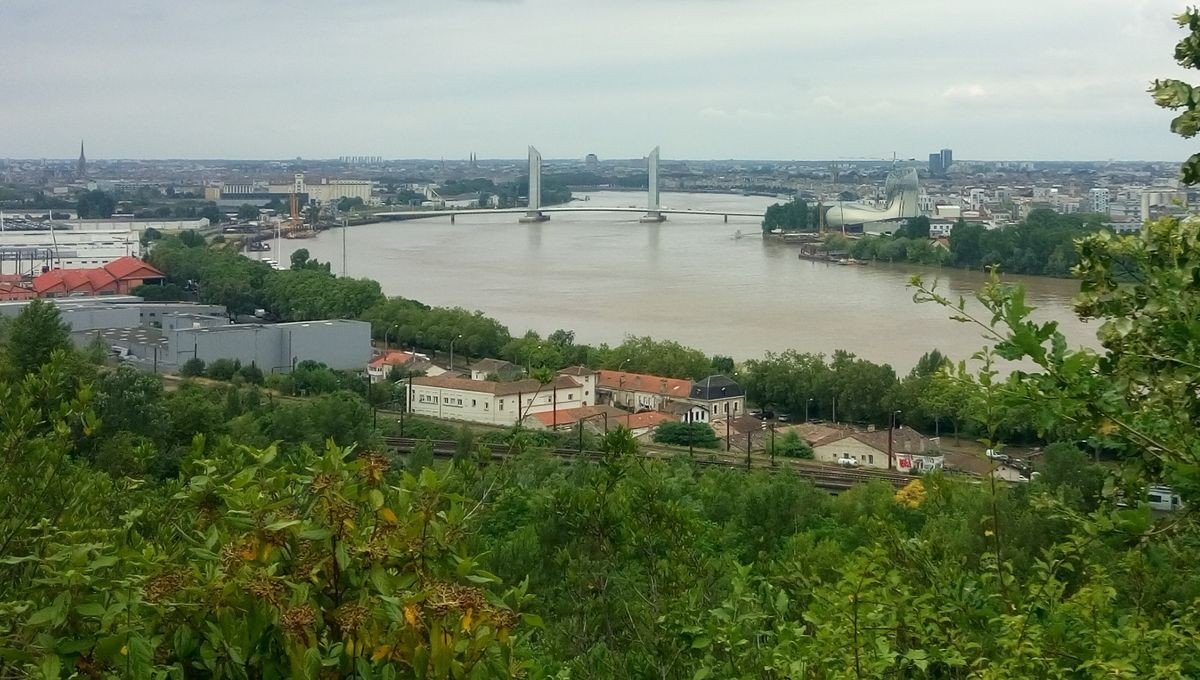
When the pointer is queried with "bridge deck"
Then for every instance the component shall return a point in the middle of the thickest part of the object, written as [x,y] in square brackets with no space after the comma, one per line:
[562,209]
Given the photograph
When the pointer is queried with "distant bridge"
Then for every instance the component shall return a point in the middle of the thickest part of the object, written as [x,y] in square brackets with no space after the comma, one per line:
[534,212]
[452,213]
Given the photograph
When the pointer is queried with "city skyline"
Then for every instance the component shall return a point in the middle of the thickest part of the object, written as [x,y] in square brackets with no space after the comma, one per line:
[705,79]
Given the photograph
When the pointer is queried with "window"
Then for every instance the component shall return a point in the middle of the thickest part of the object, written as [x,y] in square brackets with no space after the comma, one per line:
[501,405]
[473,403]
[871,459]
[570,396]
[1155,498]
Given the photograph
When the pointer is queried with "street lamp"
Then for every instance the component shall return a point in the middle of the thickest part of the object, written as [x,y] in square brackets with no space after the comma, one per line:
[806,404]
[891,429]
[457,337]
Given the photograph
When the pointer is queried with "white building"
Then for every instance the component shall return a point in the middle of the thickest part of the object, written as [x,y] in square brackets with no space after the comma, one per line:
[29,252]
[910,451]
[1098,200]
[494,403]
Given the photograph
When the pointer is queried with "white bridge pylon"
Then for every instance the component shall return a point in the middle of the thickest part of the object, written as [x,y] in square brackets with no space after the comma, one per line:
[534,212]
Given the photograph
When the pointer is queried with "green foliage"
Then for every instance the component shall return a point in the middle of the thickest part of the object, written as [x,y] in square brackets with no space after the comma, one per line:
[410,323]
[159,293]
[223,369]
[1174,94]
[348,204]
[790,445]
[699,435]
[36,333]
[247,212]
[791,216]
[666,358]
[96,204]
[192,368]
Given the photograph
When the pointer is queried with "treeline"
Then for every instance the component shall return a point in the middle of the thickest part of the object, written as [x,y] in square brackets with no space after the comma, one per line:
[795,215]
[1043,244]
[854,390]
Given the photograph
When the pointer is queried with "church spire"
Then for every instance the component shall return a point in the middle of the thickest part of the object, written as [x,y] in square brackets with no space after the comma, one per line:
[81,168]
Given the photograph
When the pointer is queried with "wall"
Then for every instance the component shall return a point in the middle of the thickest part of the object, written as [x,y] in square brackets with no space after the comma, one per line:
[865,455]
[92,317]
[477,407]
[339,344]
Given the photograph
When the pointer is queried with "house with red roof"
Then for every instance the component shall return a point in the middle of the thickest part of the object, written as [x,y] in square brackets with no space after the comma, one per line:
[118,277]
[416,363]
[640,392]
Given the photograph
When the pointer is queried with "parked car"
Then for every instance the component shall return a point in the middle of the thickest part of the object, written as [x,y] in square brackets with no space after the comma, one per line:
[847,461]
[783,418]
[763,414]
[992,454]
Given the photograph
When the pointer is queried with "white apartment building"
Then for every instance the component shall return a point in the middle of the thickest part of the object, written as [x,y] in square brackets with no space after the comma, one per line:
[1098,200]
[494,403]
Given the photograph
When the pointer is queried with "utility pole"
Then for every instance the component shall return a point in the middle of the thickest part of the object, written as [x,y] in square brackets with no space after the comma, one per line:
[772,426]
[891,430]
[749,436]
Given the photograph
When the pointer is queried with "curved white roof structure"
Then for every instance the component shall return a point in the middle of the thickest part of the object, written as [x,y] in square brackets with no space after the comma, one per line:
[901,189]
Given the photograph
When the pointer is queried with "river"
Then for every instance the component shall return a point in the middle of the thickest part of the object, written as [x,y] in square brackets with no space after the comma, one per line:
[689,279]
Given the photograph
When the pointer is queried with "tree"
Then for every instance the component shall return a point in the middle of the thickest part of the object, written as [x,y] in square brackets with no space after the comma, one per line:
[722,365]
[1174,94]
[223,369]
[192,368]
[790,445]
[247,212]
[168,292]
[299,258]
[348,204]
[96,204]
[212,213]
[699,435]
[915,227]
[34,335]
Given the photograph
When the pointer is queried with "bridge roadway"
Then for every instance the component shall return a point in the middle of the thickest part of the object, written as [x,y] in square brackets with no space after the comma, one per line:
[416,214]
[822,476]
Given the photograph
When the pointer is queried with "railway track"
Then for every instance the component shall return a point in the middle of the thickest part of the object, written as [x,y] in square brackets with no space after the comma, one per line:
[822,476]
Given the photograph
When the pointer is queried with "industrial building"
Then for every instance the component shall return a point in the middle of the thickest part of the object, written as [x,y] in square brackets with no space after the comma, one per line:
[340,344]
[324,191]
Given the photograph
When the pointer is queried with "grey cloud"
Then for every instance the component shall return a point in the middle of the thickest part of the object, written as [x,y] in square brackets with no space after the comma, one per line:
[705,78]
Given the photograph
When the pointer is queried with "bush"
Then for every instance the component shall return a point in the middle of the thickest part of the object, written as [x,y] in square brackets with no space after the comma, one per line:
[223,369]
[791,445]
[699,435]
[252,374]
[192,368]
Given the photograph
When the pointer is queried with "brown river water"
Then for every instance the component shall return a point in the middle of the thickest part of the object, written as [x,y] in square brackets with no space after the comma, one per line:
[690,279]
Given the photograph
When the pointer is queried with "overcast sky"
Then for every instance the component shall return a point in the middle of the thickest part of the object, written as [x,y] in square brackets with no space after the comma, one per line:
[772,79]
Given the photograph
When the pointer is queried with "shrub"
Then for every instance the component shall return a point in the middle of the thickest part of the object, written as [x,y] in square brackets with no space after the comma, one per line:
[192,368]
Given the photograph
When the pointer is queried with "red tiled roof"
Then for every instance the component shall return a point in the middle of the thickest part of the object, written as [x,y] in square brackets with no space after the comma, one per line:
[126,267]
[527,386]
[11,291]
[637,421]
[96,279]
[392,359]
[570,416]
[638,382]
